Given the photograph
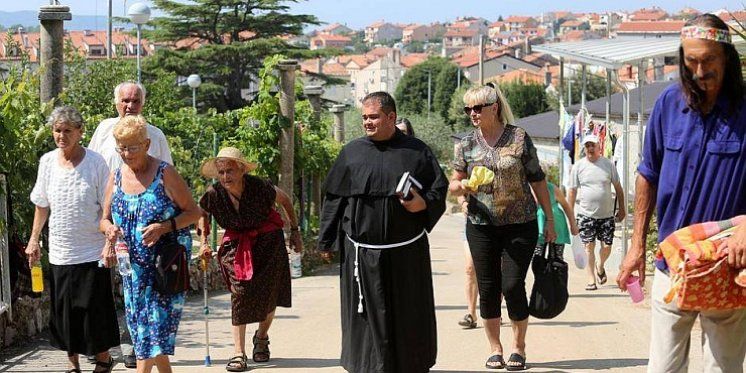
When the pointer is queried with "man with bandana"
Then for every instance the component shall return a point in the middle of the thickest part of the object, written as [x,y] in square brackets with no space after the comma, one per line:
[694,170]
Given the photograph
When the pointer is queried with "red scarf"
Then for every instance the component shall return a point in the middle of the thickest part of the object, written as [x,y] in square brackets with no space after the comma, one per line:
[242,264]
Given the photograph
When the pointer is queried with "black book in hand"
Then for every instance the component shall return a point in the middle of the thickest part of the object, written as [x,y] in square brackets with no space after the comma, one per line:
[404,187]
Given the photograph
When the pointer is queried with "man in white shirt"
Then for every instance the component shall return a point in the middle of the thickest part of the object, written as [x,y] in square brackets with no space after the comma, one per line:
[129,98]
[591,180]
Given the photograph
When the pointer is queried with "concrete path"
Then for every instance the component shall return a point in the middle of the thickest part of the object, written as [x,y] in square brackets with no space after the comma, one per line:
[600,330]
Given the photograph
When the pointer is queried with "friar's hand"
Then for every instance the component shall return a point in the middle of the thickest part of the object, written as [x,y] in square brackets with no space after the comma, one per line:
[416,204]
[327,256]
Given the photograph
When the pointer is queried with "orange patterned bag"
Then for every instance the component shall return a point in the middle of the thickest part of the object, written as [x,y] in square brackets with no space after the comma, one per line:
[701,279]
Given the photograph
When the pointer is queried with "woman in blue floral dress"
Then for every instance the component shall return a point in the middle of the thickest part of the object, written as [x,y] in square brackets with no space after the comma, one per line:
[144,195]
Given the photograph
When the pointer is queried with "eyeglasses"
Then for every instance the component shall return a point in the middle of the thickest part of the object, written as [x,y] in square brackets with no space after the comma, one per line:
[128,149]
[476,108]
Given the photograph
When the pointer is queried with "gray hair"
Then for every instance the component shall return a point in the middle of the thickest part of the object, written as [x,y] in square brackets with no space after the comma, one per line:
[65,114]
[121,85]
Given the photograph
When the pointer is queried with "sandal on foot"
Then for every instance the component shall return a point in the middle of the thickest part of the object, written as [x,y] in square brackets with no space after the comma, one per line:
[468,322]
[261,349]
[515,358]
[107,366]
[601,273]
[495,362]
[591,287]
[237,363]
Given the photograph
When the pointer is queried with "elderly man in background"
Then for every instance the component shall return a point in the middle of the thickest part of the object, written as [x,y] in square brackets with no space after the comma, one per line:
[591,180]
[129,98]
[694,170]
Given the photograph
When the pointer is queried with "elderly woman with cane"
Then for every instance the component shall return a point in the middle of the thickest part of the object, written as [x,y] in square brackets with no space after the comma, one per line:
[252,254]
[69,191]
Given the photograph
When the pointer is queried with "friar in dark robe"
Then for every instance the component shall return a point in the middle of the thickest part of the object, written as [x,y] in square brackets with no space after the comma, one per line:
[388,311]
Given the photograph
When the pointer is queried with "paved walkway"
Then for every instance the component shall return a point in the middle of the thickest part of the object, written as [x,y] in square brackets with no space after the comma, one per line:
[600,330]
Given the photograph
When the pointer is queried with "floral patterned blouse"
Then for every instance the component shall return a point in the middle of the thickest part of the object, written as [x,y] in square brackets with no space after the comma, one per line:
[513,159]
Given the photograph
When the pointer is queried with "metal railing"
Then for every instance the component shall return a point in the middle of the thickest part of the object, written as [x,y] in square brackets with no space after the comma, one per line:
[5,291]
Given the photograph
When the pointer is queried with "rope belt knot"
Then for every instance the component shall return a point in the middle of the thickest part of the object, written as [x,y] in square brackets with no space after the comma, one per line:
[358,245]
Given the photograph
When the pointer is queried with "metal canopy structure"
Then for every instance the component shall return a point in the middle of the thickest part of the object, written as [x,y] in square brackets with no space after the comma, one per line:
[612,53]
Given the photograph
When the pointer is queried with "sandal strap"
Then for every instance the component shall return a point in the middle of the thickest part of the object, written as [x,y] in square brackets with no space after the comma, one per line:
[237,359]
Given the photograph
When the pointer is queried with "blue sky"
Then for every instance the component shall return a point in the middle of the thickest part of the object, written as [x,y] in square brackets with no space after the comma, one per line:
[358,13]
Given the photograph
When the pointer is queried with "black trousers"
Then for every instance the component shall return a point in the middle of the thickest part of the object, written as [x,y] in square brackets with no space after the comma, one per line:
[502,256]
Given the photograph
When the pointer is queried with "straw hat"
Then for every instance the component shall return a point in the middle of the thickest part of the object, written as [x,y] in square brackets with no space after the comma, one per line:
[210,170]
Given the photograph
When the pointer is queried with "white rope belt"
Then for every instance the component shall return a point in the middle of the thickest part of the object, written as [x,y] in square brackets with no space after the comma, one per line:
[358,245]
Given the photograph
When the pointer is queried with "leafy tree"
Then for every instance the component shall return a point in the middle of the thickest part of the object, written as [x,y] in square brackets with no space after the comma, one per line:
[411,92]
[445,84]
[456,118]
[235,36]
[24,138]
[595,89]
[525,99]
[415,46]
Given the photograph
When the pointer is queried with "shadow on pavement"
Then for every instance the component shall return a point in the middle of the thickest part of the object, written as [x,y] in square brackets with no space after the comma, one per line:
[591,364]
[274,363]
[598,295]
[572,324]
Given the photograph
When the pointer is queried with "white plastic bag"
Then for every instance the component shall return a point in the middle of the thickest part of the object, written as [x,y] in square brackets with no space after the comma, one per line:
[578,252]
[296,269]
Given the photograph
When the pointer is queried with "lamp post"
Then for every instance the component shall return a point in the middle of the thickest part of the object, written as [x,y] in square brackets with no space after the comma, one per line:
[139,14]
[194,81]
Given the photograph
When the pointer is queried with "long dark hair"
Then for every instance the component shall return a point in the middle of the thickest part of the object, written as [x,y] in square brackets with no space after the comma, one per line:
[407,124]
[733,85]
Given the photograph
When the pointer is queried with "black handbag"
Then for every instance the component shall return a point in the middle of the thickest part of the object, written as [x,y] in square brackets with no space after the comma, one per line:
[549,294]
[171,265]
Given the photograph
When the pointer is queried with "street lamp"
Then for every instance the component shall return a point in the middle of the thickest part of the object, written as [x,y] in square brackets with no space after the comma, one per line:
[194,81]
[139,14]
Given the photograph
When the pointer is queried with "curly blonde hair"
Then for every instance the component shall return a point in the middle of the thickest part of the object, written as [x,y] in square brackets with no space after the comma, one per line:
[131,127]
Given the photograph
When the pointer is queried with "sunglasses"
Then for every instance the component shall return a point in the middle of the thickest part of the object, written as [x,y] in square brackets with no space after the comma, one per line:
[476,108]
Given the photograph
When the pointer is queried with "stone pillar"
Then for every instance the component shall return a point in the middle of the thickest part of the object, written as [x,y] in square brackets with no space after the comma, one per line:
[52,43]
[339,122]
[314,92]
[287,136]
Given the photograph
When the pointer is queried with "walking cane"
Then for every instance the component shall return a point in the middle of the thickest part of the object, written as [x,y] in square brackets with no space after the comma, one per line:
[204,262]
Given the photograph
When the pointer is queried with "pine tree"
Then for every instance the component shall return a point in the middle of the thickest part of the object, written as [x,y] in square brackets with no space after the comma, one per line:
[224,41]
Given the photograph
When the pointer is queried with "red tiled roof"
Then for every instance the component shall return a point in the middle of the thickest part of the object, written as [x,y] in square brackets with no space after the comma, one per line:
[379,51]
[571,23]
[654,14]
[377,24]
[497,24]
[328,68]
[576,35]
[739,15]
[333,37]
[413,26]
[651,26]
[362,60]
[469,56]
[413,59]
[459,32]
[517,19]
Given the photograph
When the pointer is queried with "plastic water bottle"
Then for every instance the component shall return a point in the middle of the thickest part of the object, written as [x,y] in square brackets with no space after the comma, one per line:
[296,268]
[123,258]
[37,279]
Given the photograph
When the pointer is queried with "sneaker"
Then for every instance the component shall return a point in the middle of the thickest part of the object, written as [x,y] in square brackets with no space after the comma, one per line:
[468,322]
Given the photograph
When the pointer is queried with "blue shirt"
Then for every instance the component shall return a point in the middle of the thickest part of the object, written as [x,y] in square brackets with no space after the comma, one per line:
[698,163]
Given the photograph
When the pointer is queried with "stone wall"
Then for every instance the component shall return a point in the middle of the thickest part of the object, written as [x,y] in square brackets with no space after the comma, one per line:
[31,315]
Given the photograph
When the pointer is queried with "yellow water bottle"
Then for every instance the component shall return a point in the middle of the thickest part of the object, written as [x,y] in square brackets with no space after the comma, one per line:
[37,279]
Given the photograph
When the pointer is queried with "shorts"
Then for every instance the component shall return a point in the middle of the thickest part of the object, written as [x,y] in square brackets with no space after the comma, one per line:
[596,229]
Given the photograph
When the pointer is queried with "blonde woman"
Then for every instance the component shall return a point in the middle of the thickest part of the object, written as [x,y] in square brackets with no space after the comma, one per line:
[501,225]
[146,199]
